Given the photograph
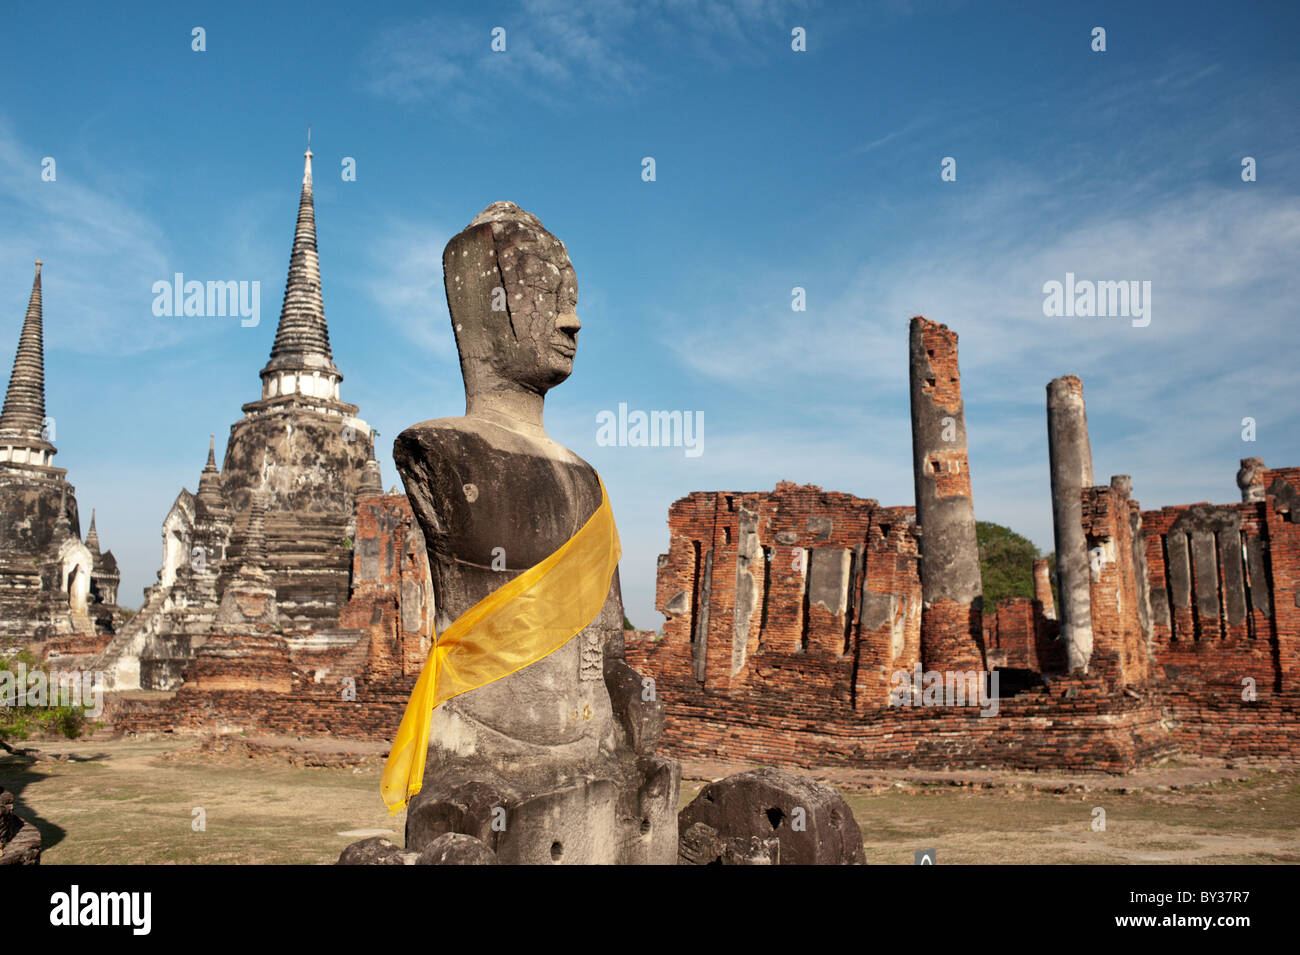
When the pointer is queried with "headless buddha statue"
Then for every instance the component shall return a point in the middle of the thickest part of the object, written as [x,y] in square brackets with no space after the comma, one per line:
[563,749]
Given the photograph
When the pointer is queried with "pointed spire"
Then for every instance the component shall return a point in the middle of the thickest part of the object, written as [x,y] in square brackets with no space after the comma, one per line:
[210,491]
[24,407]
[302,340]
[92,536]
[371,482]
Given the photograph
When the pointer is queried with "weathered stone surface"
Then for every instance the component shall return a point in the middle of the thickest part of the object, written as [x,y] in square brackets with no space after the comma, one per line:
[455,848]
[20,841]
[1070,457]
[640,714]
[952,630]
[811,822]
[376,851]
[470,808]
[53,588]
[1250,479]
[700,844]
[1120,650]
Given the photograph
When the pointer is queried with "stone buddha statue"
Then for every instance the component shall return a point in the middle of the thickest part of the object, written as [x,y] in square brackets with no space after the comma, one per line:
[565,746]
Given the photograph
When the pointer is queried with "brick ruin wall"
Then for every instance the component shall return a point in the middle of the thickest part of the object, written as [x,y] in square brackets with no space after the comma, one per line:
[1019,636]
[787,613]
[349,682]
[1225,591]
[797,594]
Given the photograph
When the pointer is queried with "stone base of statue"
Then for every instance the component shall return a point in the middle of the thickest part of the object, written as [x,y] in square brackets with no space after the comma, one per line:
[610,804]
[610,818]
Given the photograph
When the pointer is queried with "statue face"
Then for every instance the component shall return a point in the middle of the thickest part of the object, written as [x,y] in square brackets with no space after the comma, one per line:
[542,301]
[513,296]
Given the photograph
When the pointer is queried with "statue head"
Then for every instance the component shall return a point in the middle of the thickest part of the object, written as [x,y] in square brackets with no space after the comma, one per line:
[513,296]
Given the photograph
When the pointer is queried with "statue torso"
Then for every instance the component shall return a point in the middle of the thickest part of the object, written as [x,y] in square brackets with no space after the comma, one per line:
[493,502]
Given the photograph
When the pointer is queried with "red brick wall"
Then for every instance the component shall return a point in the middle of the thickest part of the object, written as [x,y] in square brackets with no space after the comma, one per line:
[1282,522]
[1119,651]
[821,705]
[391,587]
[308,709]
[1193,649]
[1011,634]
[818,566]
[257,682]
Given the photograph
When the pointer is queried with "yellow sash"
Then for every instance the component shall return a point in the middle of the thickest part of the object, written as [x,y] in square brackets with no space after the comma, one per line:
[517,624]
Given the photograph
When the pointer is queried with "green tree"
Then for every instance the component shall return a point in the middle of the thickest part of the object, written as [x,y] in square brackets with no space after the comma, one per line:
[1006,563]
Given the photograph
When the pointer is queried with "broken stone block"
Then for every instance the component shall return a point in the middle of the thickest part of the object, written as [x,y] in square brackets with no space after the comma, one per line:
[640,718]
[469,808]
[455,848]
[701,845]
[811,822]
[20,841]
[375,851]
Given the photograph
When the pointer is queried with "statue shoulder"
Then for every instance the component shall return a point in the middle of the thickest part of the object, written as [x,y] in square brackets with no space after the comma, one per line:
[442,436]
[448,439]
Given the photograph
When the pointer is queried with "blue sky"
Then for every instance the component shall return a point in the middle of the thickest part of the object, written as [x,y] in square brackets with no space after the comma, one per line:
[775,169]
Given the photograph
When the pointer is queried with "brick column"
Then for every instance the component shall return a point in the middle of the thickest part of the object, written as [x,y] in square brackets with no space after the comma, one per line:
[951,619]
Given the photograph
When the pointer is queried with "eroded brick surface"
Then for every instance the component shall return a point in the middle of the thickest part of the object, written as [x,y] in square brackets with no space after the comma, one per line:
[1177,666]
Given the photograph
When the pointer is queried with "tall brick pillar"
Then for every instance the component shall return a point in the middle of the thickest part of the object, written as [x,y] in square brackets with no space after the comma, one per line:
[952,634]
[1070,455]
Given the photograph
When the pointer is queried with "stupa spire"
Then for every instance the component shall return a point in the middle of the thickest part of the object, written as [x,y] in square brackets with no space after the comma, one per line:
[24,407]
[92,536]
[371,480]
[302,339]
[210,478]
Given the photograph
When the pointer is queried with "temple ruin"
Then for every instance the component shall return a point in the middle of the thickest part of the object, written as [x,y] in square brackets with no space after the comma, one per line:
[57,593]
[791,613]
[289,581]
[295,596]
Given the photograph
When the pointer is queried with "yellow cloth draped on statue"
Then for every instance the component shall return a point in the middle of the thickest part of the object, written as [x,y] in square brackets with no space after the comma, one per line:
[517,624]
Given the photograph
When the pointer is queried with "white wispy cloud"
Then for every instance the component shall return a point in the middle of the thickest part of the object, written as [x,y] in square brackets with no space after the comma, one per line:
[407,283]
[562,51]
[101,253]
[1165,402]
